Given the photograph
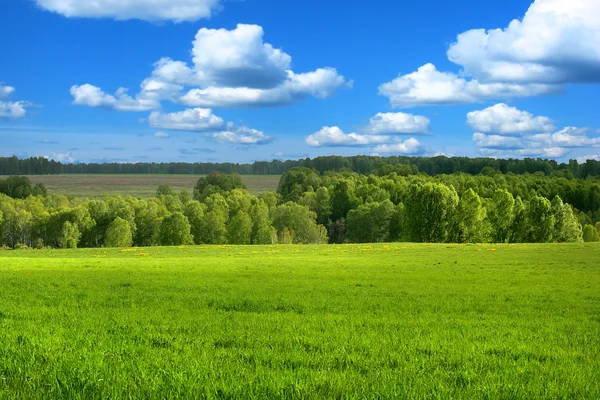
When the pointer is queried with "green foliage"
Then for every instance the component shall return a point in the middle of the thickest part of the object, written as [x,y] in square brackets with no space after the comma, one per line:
[214,230]
[118,234]
[297,224]
[500,215]
[590,234]
[343,199]
[540,220]
[566,225]
[519,230]
[296,182]
[20,187]
[194,212]
[216,182]
[370,223]
[239,230]
[429,212]
[471,219]
[175,230]
[262,231]
[164,190]
[69,236]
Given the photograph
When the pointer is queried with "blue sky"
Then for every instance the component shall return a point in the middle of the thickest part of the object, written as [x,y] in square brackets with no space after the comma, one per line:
[239,81]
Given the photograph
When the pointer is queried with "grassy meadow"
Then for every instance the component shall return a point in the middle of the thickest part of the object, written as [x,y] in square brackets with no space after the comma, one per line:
[143,186]
[348,321]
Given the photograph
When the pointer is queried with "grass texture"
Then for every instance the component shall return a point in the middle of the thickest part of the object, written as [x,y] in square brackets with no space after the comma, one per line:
[282,322]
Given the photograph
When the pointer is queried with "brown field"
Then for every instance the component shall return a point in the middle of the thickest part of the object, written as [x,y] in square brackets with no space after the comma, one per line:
[144,186]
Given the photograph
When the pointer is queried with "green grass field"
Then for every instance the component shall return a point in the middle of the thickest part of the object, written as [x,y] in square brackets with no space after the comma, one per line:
[144,186]
[348,321]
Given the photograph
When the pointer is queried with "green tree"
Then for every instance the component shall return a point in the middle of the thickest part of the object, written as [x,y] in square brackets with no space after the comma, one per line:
[519,228]
[175,230]
[300,222]
[214,230]
[370,223]
[540,219]
[118,234]
[239,230]
[216,182]
[566,224]
[500,215]
[343,199]
[297,181]
[471,219]
[148,218]
[590,234]
[262,231]
[194,212]
[429,212]
[69,236]
[164,190]
[184,197]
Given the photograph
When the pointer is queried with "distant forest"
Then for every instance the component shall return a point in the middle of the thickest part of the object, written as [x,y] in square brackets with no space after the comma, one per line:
[393,203]
[360,164]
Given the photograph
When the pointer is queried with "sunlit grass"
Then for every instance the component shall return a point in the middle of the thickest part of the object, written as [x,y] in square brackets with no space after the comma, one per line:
[347,321]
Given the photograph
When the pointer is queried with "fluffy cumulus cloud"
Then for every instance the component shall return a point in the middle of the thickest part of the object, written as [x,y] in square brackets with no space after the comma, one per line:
[427,87]
[509,132]
[161,135]
[66,158]
[398,124]
[506,120]
[409,146]
[151,93]
[241,135]
[230,68]
[196,119]
[11,109]
[5,91]
[149,10]
[381,134]
[333,136]
[556,43]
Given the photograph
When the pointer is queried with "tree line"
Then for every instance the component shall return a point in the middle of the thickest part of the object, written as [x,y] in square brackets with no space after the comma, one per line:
[336,207]
[360,164]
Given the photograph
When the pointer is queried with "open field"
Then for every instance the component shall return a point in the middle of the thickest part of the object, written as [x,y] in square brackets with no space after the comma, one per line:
[144,186]
[348,321]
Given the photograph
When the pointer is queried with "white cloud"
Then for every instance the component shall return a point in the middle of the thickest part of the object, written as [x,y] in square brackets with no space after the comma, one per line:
[231,68]
[62,157]
[428,86]
[409,146]
[239,58]
[583,159]
[241,135]
[482,140]
[11,109]
[5,91]
[161,135]
[93,96]
[568,137]
[321,83]
[334,137]
[544,152]
[557,41]
[398,124]
[149,10]
[196,119]
[508,131]
[505,120]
